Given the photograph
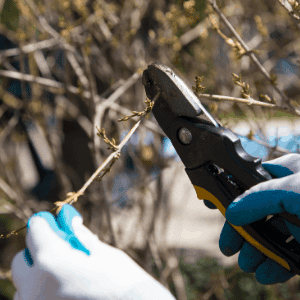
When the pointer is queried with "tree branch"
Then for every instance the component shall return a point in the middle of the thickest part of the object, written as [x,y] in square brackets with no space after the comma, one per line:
[250,53]
[248,101]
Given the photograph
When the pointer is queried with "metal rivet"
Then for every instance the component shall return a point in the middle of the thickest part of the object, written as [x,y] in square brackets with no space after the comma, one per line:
[214,169]
[185,136]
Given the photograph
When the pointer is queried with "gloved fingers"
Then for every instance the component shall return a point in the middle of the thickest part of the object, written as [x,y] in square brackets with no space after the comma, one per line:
[209,204]
[287,183]
[20,269]
[87,238]
[277,171]
[269,272]
[65,221]
[284,165]
[65,217]
[258,205]
[250,258]
[230,241]
[43,234]
[90,240]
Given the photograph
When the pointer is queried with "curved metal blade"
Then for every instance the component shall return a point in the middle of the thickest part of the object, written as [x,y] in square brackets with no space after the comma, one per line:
[182,100]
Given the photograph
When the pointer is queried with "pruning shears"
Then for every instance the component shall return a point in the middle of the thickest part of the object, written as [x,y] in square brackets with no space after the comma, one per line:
[216,163]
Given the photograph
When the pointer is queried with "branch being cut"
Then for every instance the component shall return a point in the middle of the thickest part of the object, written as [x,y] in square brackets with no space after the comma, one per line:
[73,196]
[114,156]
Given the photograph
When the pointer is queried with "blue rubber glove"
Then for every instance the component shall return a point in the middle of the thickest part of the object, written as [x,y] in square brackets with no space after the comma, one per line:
[65,260]
[267,198]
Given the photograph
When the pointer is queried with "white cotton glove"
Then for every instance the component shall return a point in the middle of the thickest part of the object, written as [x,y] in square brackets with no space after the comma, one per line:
[65,260]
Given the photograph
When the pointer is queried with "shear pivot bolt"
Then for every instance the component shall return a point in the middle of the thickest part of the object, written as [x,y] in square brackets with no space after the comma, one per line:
[184,136]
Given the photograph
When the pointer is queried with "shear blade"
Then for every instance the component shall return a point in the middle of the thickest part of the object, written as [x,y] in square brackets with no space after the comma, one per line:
[181,99]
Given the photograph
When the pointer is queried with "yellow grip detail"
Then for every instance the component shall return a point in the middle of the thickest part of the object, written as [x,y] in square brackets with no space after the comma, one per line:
[204,194]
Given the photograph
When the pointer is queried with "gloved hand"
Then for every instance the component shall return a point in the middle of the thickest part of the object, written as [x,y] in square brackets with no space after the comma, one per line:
[267,198]
[65,260]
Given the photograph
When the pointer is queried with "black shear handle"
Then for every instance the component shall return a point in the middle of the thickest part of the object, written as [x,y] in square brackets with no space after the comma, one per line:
[224,173]
[216,162]
[262,234]
[220,170]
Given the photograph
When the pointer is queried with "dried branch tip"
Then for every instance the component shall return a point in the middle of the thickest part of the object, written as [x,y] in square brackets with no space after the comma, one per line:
[266,98]
[198,88]
[237,47]
[250,135]
[139,114]
[14,232]
[245,87]
[111,143]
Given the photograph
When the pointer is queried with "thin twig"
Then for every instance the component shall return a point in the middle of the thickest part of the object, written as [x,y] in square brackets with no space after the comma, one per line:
[101,106]
[60,87]
[276,148]
[286,4]
[91,79]
[250,53]
[43,22]
[30,78]
[139,114]
[21,212]
[47,44]
[9,128]
[42,63]
[47,83]
[74,111]
[114,156]
[8,190]
[194,33]
[73,196]
[1,5]
[112,143]
[3,109]
[249,101]
[120,91]
[77,69]
[109,102]
[177,276]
